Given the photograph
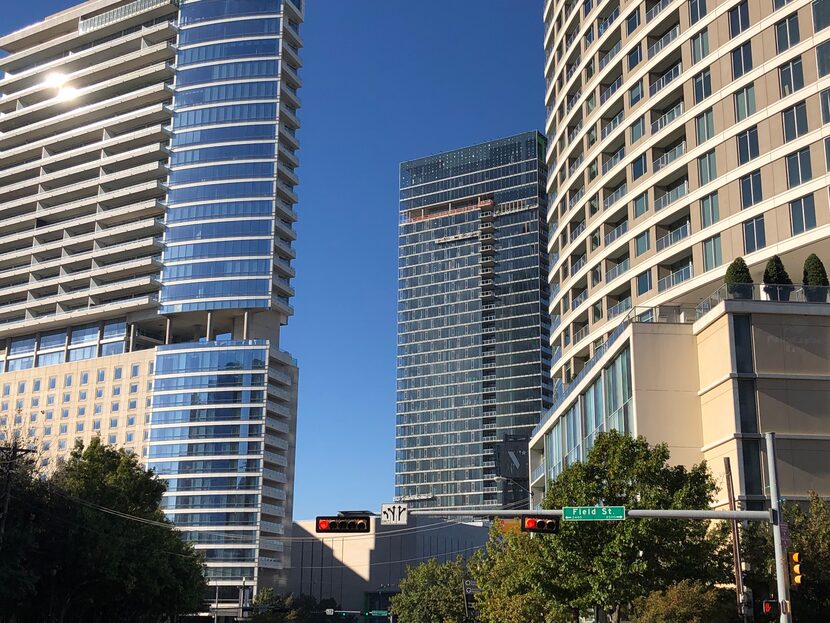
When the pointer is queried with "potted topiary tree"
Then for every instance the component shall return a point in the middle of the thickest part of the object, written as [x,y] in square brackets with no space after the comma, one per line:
[738,280]
[777,283]
[815,280]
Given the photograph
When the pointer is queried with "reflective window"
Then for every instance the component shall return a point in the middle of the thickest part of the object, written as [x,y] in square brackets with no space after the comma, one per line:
[229,30]
[799,168]
[195,12]
[248,170]
[697,9]
[704,126]
[823,56]
[791,77]
[85,333]
[745,102]
[643,282]
[821,14]
[803,214]
[702,84]
[220,210]
[712,257]
[227,71]
[640,205]
[795,121]
[53,339]
[747,145]
[264,131]
[224,268]
[700,45]
[741,60]
[226,93]
[751,189]
[738,19]
[786,33]
[754,235]
[225,152]
[204,289]
[230,248]
[706,168]
[709,212]
[233,113]
[221,191]
[228,50]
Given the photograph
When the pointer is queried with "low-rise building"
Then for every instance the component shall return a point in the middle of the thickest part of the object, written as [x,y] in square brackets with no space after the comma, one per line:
[708,381]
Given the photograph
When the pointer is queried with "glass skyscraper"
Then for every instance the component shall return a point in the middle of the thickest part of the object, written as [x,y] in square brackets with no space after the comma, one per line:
[147,169]
[473,327]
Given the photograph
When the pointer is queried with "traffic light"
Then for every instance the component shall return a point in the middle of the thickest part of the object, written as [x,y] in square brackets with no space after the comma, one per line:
[796,576]
[770,608]
[544,525]
[350,523]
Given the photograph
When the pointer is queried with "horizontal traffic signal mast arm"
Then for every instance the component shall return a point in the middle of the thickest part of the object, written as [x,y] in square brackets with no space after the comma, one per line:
[633,514]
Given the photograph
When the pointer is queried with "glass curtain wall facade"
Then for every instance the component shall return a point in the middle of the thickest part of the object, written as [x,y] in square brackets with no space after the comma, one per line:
[472,326]
[147,169]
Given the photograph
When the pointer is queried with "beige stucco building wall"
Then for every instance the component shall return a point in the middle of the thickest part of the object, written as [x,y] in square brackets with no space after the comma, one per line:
[53,406]
[710,388]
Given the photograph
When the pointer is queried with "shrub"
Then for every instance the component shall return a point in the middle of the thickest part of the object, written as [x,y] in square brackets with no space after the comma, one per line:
[738,272]
[814,272]
[775,274]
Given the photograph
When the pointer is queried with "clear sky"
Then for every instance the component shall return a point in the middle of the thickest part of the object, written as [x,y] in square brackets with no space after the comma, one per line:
[383,81]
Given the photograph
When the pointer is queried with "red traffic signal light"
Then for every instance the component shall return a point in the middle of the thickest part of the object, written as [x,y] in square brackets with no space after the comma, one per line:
[351,523]
[769,607]
[545,525]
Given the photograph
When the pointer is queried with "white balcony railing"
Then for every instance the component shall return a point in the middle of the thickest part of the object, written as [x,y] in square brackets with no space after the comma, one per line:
[613,160]
[670,156]
[676,278]
[615,233]
[618,270]
[663,41]
[667,117]
[623,306]
[609,127]
[656,9]
[670,197]
[673,237]
[614,196]
[668,77]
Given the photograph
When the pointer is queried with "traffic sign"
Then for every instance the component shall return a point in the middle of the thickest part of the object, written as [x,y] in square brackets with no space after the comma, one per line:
[376,613]
[394,514]
[593,513]
[329,611]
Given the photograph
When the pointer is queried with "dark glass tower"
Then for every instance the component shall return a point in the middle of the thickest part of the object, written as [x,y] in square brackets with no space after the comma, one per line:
[473,323]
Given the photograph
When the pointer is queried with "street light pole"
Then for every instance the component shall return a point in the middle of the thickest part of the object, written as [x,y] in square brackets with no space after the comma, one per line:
[781,571]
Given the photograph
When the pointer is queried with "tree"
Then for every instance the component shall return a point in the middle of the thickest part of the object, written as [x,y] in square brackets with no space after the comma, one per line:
[273,608]
[608,564]
[431,592]
[687,602]
[89,561]
[510,591]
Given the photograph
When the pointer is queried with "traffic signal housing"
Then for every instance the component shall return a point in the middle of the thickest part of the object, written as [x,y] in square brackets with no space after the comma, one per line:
[543,525]
[336,525]
[770,608]
[796,576]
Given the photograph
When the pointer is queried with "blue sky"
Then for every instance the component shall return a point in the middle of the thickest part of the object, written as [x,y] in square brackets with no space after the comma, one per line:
[384,81]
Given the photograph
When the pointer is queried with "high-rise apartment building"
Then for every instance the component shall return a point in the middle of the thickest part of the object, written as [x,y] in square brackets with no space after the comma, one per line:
[147,156]
[473,351]
[681,134]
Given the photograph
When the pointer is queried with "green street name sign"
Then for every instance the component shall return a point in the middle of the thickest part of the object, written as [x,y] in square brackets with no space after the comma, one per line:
[593,513]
